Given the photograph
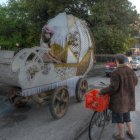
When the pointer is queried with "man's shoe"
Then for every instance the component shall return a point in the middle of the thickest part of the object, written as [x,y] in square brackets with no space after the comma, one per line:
[131,136]
[117,137]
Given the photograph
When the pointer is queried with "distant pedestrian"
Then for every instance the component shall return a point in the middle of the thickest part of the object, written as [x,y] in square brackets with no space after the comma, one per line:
[122,96]
[18,48]
[46,36]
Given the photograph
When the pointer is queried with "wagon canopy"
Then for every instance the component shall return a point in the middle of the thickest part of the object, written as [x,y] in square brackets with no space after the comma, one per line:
[70,39]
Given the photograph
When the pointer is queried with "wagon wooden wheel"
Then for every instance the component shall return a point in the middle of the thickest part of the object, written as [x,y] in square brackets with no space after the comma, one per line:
[16,99]
[59,102]
[81,89]
[97,124]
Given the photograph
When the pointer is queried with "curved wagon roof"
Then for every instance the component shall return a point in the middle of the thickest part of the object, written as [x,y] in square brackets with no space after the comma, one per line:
[71,32]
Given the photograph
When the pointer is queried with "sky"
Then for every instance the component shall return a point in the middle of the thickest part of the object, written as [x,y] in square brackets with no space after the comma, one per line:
[3,1]
[134,2]
[137,4]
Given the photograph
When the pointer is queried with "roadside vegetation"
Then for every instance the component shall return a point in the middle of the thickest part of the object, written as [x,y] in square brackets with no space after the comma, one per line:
[114,23]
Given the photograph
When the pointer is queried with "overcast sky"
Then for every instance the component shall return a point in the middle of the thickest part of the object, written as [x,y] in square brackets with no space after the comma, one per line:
[134,2]
[3,1]
[137,4]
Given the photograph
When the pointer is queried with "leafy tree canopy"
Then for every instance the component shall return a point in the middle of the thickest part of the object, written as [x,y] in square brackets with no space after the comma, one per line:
[111,21]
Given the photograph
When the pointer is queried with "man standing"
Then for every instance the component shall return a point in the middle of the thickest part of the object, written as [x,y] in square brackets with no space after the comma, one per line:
[122,96]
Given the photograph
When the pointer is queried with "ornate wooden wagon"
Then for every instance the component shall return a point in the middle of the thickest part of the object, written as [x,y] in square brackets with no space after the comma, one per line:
[54,71]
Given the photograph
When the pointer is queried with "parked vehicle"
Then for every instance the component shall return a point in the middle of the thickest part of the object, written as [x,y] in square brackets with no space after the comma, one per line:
[110,67]
[135,62]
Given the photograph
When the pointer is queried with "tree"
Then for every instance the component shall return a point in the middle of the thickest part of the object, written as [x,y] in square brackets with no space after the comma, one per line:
[110,22]
[135,27]
[16,26]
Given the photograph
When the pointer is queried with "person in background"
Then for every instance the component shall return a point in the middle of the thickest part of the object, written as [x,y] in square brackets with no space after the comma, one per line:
[45,42]
[122,96]
[18,48]
[47,34]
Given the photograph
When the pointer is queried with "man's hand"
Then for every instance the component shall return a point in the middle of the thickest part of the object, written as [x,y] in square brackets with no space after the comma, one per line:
[129,65]
[100,94]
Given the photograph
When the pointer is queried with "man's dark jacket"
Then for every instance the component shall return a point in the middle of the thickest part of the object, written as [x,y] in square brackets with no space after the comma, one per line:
[122,89]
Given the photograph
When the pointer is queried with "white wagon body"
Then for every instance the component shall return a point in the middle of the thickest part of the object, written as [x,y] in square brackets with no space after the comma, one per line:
[60,62]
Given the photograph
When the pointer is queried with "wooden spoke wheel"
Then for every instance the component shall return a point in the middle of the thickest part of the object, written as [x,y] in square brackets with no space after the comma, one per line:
[16,99]
[59,102]
[96,126]
[81,89]
[20,101]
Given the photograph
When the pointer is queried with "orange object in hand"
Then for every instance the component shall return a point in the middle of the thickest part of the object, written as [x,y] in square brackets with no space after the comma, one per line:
[96,102]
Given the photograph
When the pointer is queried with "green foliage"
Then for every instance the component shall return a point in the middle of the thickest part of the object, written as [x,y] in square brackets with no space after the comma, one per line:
[16,26]
[109,21]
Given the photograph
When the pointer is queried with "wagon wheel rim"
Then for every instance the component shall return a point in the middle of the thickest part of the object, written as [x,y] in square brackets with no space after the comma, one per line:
[61,102]
[83,86]
[97,125]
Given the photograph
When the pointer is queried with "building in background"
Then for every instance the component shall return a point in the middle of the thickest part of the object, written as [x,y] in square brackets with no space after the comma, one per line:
[136,47]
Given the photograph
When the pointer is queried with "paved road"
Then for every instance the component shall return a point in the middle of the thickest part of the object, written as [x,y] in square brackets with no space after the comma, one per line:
[35,123]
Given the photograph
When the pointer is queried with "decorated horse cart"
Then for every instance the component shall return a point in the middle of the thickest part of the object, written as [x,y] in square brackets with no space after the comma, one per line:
[55,70]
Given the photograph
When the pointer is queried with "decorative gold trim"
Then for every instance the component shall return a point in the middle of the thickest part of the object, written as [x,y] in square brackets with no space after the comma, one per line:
[84,64]
[66,65]
[73,53]
[59,52]
[90,50]
[76,64]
